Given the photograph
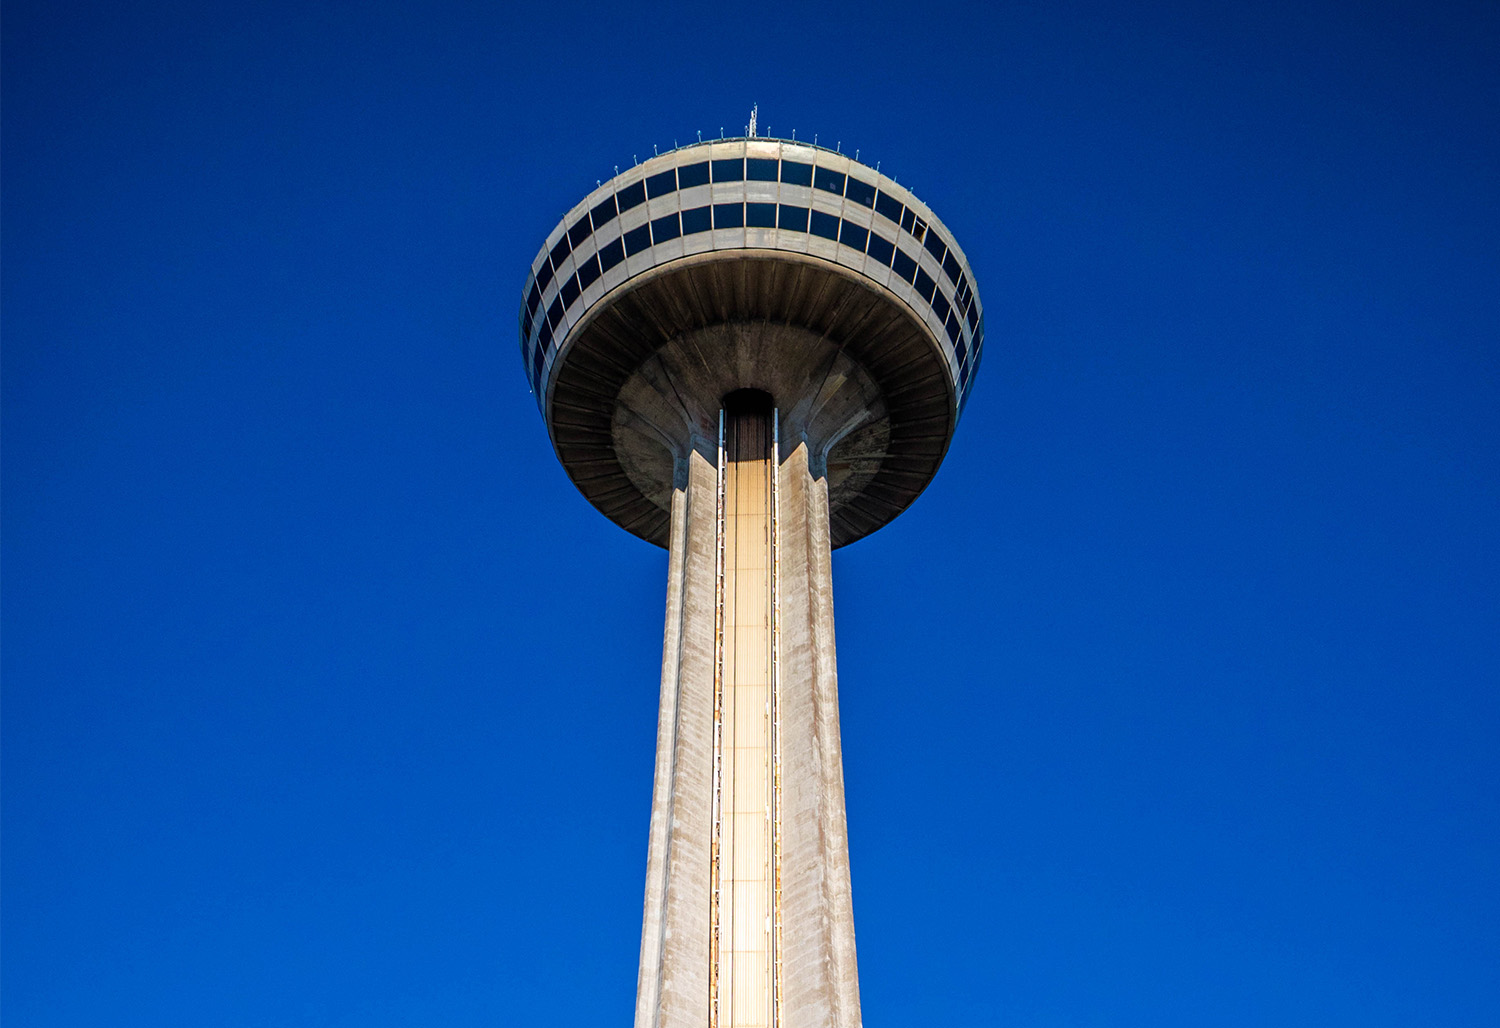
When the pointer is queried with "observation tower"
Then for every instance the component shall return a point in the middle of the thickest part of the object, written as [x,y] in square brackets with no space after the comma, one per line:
[750,351]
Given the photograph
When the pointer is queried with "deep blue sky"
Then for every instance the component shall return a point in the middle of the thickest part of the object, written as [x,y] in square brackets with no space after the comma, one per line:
[1173,701]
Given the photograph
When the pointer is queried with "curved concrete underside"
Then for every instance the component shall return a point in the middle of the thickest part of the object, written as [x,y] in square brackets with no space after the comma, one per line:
[854,373]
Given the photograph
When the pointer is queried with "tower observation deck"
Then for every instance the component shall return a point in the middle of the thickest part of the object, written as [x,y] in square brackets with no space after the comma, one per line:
[750,351]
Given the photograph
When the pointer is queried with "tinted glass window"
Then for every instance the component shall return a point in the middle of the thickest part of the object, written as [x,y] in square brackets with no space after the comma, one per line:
[692,175]
[580,231]
[881,248]
[852,236]
[760,215]
[729,171]
[637,239]
[589,272]
[526,326]
[825,225]
[760,169]
[951,268]
[544,276]
[903,265]
[890,207]
[973,321]
[554,313]
[632,195]
[860,192]
[951,324]
[696,220]
[665,228]
[661,183]
[569,291]
[793,219]
[560,251]
[611,254]
[827,178]
[544,339]
[935,246]
[908,219]
[940,304]
[925,285]
[536,362]
[729,215]
[796,173]
[603,212]
[533,298]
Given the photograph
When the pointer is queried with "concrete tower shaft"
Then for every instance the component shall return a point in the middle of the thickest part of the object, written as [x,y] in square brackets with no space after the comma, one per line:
[748,918]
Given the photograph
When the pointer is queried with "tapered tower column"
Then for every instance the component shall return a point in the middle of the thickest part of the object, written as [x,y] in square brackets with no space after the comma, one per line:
[748,741]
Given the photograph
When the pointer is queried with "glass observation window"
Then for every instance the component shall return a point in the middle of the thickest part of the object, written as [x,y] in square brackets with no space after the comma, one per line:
[662,183]
[903,264]
[853,236]
[588,272]
[936,246]
[604,212]
[637,239]
[890,207]
[554,313]
[760,169]
[940,304]
[829,180]
[699,219]
[860,192]
[795,173]
[560,252]
[729,215]
[579,232]
[793,218]
[925,285]
[760,215]
[665,227]
[632,195]
[732,170]
[569,291]
[692,175]
[825,225]
[881,248]
[951,268]
[611,254]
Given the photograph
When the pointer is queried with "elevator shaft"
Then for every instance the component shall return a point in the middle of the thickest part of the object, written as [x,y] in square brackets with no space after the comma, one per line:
[744,914]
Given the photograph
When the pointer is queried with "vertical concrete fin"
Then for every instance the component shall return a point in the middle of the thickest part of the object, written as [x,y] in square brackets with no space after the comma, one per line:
[819,983]
[672,988]
[821,976]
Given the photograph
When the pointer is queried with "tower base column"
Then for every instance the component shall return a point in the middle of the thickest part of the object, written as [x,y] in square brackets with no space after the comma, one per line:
[818,976]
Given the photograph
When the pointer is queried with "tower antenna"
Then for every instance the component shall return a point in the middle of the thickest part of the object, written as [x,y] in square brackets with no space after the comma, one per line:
[754,111]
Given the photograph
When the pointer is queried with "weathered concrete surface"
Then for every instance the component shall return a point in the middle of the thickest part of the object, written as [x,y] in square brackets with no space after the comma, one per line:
[820,976]
[673,984]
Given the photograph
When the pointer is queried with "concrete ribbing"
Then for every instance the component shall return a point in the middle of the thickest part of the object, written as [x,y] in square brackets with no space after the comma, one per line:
[820,978]
[673,984]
